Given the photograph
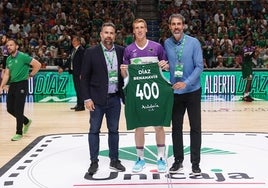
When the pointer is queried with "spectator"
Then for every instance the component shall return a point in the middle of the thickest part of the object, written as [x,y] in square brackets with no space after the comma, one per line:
[51,42]
[265,58]
[4,53]
[41,17]
[237,10]
[14,27]
[61,16]
[219,17]
[26,27]
[208,51]
[59,27]
[220,62]
[64,41]
[228,57]
[237,62]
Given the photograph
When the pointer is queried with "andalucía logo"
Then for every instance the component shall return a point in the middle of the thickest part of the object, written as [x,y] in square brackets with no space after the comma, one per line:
[226,159]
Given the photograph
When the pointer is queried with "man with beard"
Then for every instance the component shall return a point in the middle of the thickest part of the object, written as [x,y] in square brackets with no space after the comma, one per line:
[16,75]
[186,65]
[101,90]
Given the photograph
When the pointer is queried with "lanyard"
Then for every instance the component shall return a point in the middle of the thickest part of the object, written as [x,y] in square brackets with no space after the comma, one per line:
[108,56]
[179,53]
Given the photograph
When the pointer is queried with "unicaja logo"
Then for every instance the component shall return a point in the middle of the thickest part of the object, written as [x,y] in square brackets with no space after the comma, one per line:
[212,176]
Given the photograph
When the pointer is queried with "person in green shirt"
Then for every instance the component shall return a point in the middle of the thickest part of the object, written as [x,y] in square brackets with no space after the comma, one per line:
[16,76]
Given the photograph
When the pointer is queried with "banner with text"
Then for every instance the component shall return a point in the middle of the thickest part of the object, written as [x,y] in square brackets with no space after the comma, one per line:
[49,86]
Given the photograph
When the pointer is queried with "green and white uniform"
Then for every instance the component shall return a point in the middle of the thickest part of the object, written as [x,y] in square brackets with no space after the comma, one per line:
[19,67]
[148,97]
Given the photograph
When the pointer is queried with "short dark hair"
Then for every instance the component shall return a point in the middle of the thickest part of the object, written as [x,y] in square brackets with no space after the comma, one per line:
[77,38]
[14,40]
[107,24]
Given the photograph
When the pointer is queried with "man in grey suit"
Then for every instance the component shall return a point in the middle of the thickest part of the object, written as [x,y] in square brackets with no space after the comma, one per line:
[102,84]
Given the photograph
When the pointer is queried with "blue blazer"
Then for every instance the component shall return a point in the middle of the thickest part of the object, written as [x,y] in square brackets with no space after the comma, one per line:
[94,74]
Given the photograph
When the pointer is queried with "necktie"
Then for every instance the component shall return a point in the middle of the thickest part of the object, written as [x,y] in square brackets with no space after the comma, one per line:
[72,57]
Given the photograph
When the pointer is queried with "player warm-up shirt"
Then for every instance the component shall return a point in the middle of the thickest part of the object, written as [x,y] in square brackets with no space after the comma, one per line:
[148,97]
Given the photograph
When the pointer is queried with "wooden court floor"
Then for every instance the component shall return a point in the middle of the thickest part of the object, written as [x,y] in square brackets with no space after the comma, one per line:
[57,118]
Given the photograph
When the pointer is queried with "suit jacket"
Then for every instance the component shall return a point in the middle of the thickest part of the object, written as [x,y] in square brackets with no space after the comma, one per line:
[77,62]
[94,74]
[61,62]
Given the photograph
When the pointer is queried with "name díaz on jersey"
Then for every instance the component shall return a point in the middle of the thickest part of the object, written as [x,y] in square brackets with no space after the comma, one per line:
[147,73]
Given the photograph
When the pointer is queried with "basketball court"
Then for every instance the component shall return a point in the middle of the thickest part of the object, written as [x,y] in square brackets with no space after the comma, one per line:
[54,154]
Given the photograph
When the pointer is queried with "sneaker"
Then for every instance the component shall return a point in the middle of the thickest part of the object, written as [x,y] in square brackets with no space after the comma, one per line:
[139,166]
[116,165]
[196,171]
[16,137]
[176,167]
[26,127]
[93,167]
[161,165]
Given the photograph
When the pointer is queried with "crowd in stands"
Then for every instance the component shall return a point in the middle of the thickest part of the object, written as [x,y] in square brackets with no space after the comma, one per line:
[44,28]
[223,28]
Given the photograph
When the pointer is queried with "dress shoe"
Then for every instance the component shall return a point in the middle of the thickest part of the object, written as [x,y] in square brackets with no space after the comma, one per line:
[93,167]
[73,108]
[79,109]
[116,165]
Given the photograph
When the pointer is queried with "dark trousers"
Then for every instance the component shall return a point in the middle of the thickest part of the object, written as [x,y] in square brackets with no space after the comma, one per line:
[77,87]
[192,103]
[16,101]
[112,112]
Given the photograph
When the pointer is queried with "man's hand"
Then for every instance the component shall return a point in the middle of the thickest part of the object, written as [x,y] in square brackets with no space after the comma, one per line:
[89,104]
[179,85]
[3,88]
[60,70]
[163,65]
[123,68]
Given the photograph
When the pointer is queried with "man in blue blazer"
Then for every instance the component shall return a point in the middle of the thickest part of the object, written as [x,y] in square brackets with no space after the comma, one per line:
[102,84]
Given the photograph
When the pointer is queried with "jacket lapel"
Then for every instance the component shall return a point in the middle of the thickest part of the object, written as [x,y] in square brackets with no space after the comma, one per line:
[102,58]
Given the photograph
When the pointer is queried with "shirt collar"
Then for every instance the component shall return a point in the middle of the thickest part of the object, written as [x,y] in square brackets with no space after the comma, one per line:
[76,47]
[17,53]
[105,49]
[177,42]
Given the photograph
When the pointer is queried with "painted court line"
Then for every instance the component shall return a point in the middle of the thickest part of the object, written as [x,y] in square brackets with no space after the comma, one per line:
[61,161]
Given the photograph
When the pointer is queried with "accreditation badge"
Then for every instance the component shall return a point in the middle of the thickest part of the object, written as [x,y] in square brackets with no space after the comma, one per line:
[113,78]
[179,70]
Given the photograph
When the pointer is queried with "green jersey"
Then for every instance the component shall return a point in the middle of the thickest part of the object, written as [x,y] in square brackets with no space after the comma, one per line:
[148,97]
[19,67]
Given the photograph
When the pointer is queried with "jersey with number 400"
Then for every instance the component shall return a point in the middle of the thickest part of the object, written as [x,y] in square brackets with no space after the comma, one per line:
[148,97]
